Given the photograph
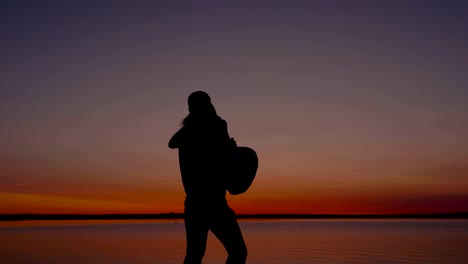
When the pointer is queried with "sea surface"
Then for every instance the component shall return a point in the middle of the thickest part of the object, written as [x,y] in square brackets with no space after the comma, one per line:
[268,242]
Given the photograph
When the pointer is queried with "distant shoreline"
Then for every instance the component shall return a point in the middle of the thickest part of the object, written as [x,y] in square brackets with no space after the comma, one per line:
[20,217]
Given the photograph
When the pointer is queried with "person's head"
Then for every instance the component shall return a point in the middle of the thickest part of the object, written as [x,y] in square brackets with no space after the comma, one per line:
[200,106]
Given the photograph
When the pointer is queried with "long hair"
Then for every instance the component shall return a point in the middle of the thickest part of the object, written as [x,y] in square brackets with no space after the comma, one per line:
[200,108]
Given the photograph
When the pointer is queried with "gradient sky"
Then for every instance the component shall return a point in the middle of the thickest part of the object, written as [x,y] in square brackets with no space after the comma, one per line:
[352,106]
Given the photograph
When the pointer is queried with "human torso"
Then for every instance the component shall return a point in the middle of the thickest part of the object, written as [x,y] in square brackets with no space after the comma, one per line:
[203,161]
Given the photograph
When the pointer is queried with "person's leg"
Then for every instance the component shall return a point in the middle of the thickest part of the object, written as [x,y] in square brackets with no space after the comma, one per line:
[226,229]
[196,231]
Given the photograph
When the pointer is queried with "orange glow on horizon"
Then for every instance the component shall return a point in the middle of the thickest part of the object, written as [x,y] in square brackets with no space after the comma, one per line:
[18,203]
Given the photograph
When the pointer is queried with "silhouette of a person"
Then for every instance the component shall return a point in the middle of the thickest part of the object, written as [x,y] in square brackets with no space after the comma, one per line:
[204,145]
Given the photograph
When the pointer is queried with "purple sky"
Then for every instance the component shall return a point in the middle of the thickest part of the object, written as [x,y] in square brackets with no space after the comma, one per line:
[359,103]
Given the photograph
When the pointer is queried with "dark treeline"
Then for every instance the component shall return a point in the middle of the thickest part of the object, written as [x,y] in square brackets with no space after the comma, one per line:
[17,217]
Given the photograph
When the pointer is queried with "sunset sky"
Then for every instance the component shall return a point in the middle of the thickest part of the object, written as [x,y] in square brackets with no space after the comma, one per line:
[352,106]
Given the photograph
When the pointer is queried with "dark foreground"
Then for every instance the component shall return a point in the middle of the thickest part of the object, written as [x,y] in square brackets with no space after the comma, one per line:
[318,241]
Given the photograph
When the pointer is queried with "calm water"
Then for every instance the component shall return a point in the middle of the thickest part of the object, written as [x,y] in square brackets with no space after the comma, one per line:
[272,242]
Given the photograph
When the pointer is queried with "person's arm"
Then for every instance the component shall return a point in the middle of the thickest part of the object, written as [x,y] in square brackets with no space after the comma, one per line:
[230,142]
[177,139]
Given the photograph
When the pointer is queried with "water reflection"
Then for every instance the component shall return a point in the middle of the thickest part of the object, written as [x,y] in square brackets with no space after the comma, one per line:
[273,242]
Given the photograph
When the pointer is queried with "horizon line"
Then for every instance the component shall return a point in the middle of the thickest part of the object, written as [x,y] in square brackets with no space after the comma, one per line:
[172,215]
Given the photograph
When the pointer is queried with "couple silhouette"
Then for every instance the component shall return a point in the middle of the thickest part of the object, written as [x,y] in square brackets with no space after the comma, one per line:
[204,147]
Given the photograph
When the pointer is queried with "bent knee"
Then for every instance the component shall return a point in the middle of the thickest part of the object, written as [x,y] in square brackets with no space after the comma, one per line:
[244,252]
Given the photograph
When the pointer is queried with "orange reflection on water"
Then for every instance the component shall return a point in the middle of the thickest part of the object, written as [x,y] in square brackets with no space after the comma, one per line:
[274,242]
